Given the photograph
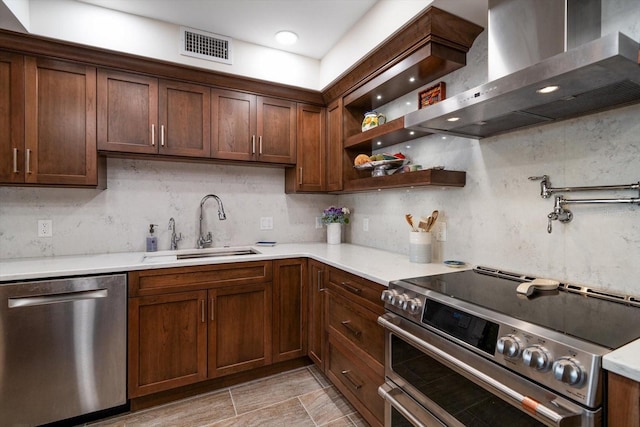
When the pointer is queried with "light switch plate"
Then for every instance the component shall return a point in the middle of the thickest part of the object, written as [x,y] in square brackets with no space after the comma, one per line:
[441,234]
[318,222]
[266,223]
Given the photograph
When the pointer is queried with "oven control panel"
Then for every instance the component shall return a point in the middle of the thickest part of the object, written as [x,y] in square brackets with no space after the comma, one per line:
[566,365]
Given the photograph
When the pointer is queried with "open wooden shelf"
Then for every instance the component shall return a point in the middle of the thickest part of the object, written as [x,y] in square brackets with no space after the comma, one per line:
[384,135]
[427,177]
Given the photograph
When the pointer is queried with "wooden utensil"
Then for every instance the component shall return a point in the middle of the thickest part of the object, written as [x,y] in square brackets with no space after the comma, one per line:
[424,224]
[409,219]
[434,217]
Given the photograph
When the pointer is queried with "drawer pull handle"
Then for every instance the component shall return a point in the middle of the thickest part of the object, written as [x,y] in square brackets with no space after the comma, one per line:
[162,135]
[350,288]
[253,144]
[347,324]
[213,305]
[355,385]
[202,310]
[28,161]
[15,160]
[153,135]
[320,274]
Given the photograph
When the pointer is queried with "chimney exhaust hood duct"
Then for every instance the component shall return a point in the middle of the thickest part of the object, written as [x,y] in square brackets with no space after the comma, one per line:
[591,73]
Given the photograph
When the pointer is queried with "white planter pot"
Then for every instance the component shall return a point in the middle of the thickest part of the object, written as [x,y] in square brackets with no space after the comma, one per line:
[334,233]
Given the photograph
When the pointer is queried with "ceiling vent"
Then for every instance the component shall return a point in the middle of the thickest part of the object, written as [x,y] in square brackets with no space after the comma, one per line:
[203,45]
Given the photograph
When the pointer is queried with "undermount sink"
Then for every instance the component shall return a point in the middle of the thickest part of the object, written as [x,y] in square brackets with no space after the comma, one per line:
[185,254]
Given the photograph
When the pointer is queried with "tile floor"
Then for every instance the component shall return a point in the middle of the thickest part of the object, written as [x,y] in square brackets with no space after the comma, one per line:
[302,397]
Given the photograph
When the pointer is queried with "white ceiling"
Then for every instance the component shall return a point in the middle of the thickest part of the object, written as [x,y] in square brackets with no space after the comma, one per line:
[320,24]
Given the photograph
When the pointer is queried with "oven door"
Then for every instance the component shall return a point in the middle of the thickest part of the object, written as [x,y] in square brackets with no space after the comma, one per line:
[431,381]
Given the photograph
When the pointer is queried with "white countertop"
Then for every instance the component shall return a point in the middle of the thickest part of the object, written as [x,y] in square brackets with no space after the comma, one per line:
[624,361]
[374,264]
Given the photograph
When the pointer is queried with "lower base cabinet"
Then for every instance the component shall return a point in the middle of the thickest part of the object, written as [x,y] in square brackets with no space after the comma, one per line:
[354,354]
[623,401]
[239,320]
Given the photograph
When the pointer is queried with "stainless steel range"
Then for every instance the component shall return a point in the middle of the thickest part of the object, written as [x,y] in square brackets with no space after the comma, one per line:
[466,348]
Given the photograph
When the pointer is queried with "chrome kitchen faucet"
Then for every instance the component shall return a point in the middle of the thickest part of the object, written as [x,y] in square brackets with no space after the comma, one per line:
[206,241]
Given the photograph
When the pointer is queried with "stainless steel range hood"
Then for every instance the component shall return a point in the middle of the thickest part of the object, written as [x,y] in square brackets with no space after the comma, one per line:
[594,76]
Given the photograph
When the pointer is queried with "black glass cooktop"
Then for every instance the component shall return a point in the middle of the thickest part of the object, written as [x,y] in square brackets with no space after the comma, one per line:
[606,323]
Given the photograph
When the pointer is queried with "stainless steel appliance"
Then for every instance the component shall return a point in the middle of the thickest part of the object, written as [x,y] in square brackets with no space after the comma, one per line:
[62,348]
[466,348]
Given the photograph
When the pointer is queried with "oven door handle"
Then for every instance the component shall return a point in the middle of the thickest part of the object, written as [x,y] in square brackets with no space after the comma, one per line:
[389,321]
[409,409]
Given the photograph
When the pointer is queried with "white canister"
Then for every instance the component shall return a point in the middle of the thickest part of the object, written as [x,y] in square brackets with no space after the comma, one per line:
[420,247]
[334,233]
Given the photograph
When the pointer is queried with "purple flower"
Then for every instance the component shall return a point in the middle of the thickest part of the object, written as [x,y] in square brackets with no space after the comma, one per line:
[334,214]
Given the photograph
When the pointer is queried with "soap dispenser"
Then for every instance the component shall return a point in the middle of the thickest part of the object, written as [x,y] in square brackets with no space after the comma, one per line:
[152,240]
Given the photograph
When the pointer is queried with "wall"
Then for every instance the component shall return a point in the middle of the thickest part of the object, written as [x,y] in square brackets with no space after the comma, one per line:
[140,192]
[499,219]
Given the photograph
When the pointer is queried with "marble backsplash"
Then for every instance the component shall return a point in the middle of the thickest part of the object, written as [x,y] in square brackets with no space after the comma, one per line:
[143,192]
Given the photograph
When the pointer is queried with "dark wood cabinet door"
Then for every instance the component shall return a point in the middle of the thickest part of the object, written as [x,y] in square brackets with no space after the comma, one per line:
[276,129]
[316,328]
[167,341]
[334,152]
[184,117]
[12,158]
[311,143]
[60,123]
[289,309]
[239,328]
[127,112]
[233,125]
[623,401]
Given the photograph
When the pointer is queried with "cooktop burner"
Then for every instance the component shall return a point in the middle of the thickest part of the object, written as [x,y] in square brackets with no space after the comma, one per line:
[597,319]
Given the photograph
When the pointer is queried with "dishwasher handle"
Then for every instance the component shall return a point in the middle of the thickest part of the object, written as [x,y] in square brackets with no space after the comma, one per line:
[16,302]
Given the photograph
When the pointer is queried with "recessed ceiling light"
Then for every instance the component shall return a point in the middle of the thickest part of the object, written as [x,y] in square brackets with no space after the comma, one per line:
[408,146]
[286,37]
[412,79]
[412,133]
[548,89]
[379,142]
[408,102]
[453,119]
[379,97]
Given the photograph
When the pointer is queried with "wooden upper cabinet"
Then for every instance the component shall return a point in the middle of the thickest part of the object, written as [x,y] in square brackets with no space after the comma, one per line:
[12,150]
[233,120]
[276,130]
[309,174]
[335,156]
[144,115]
[127,112]
[60,123]
[184,117]
[252,128]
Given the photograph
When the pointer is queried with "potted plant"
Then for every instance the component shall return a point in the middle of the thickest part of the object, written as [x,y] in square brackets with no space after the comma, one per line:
[334,217]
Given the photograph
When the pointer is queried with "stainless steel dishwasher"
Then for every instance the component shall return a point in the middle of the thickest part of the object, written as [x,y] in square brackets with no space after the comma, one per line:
[62,348]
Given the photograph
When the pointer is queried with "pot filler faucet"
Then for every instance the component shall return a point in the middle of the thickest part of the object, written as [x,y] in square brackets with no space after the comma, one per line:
[205,241]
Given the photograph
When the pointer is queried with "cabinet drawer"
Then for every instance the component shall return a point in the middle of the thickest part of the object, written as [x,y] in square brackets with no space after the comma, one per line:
[357,324]
[164,280]
[357,289]
[354,380]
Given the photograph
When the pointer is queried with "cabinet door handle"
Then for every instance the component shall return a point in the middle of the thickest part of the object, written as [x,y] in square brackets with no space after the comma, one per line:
[162,135]
[213,305]
[320,273]
[153,135]
[355,385]
[347,324]
[15,160]
[253,144]
[202,310]
[28,161]
[260,144]
[352,289]
[300,180]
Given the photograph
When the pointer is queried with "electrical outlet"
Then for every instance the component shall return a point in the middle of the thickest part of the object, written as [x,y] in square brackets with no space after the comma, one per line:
[441,234]
[365,224]
[266,223]
[318,222]
[45,228]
